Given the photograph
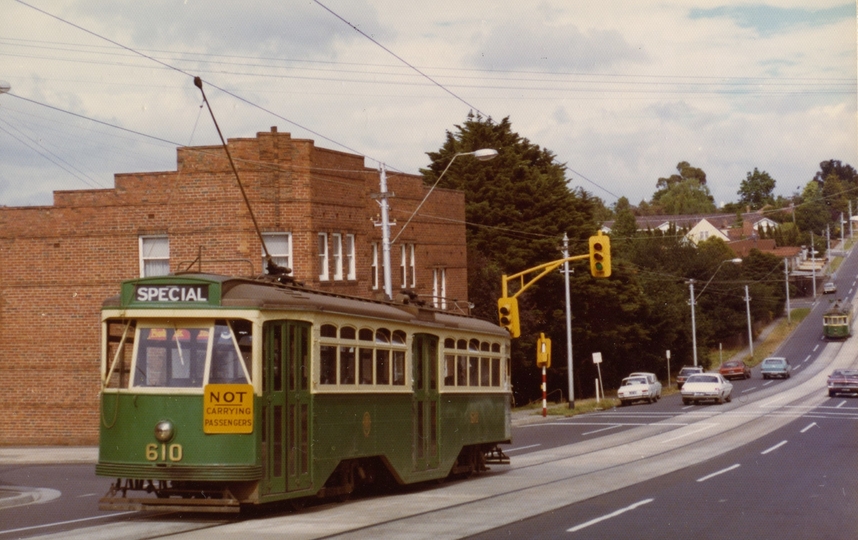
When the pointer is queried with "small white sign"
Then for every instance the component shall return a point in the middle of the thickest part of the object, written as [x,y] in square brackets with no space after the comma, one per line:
[597,358]
[668,354]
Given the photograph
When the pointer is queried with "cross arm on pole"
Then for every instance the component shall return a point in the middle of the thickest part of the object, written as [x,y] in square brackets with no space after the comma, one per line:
[543,269]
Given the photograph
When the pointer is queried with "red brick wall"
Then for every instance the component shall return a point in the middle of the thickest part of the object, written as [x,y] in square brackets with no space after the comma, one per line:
[58,263]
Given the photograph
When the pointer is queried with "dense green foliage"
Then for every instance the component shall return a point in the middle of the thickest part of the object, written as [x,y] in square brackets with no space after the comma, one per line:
[518,207]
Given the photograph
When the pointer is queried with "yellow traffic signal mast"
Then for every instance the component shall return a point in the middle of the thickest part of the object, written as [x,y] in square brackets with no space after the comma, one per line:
[600,267]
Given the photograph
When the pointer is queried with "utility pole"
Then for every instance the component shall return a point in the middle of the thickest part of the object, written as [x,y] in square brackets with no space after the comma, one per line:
[693,323]
[786,281]
[569,375]
[748,309]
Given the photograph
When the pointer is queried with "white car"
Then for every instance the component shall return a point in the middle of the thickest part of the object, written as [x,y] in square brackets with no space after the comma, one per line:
[706,386]
[639,386]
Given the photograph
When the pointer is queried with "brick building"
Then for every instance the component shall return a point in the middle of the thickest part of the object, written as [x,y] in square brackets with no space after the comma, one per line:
[314,206]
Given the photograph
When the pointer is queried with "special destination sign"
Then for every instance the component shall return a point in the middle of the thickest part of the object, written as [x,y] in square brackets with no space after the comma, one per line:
[171,293]
[228,408]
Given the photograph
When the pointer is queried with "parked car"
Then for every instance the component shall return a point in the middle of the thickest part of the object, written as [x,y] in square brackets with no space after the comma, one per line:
[684,373]
[639,386]
[843,381]
[706,386]
[776,366]
[735,368]
[829,288]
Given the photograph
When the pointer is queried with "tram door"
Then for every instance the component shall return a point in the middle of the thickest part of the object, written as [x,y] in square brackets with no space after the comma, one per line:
[424,354]
[286,417]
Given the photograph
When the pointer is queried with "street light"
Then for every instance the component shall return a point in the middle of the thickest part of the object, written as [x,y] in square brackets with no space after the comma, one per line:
[483,154]
[694,301]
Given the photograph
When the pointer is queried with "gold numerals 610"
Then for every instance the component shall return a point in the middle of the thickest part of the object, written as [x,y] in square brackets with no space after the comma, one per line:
[162,452]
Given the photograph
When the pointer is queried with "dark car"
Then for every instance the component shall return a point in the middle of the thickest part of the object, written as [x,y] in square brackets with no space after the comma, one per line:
[684,373]
[843,381]
[735,369]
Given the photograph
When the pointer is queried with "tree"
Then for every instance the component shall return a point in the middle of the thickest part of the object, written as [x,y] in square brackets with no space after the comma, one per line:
[686,197]
[812,214]
[756,189]
[844,172]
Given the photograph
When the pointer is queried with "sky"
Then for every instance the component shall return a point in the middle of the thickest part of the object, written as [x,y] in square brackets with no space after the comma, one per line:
[620,92]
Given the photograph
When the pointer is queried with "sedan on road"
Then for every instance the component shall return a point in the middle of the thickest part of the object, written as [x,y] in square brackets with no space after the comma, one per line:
[829,288]
[843,381]
[684,374]
[706,387]
[776,366]
[639,386]
[735,368]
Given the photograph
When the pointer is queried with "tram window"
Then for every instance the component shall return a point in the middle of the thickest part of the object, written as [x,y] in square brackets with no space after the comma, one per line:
[328,364]
[347,332]
[347,365]
[484,371]
[496,347]
[474,370]
[399,337]
[226,361]
[171,357]
[496,371]
[328,331]
[382,366]
[119,337]
[449,369]
[399,368]
[461,370]
[365,365]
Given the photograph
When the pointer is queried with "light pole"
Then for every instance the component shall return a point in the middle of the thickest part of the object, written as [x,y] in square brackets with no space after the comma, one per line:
[694,302]
[483,154]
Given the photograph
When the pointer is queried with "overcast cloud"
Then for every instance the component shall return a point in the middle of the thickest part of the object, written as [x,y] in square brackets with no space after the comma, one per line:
[619,91]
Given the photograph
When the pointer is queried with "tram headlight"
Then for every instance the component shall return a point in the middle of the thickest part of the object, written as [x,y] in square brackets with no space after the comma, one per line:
[164,430]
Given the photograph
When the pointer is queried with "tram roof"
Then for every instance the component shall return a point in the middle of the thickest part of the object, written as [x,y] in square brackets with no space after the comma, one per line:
[266,294]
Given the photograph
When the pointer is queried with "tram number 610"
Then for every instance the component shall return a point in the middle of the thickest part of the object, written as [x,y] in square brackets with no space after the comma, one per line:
[172,452]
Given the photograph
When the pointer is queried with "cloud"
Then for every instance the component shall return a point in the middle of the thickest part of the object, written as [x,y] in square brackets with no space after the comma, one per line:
[769,20]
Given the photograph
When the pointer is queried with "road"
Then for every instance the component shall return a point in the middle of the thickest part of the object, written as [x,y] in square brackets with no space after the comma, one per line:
[777,462]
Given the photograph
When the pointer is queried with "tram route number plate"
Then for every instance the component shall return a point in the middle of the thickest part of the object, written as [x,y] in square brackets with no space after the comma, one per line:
[228,408]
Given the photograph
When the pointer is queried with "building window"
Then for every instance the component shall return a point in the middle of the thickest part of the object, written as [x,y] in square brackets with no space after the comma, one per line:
[154,256]
[375,266]
[439,288]
[351,266]
[279,247]
[337,255]
[323,256]
[407,268]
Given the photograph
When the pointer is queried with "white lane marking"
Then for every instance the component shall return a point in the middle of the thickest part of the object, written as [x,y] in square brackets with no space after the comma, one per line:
[603,429]
[609,516]
[817,346]
[57,524]
[809,426]
[773,448]
[722,471]
[806,359]
[767,383]
[842,403]
[749,389]
[521,448]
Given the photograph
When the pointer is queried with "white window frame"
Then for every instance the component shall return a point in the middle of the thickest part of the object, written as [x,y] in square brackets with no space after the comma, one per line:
[147,244]
[351,265]
[412,265]
[337,255]
[323,257]
[280,256]
[439,288]
[374,266]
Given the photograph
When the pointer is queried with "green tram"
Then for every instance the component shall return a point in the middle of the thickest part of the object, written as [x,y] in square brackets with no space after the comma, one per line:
[220,393]
[837,322]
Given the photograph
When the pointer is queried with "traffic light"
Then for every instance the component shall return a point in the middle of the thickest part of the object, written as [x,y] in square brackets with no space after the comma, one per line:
[600,256]
[508,315]
[543,351]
